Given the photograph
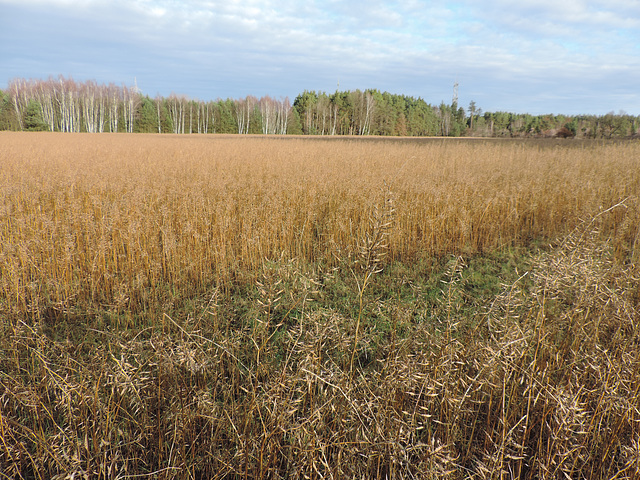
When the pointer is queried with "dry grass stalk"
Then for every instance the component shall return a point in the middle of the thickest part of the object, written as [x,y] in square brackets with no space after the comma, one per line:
[133,223]
[158,313]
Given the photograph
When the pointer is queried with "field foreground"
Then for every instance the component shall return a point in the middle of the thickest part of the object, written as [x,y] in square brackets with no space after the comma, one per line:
[264,307]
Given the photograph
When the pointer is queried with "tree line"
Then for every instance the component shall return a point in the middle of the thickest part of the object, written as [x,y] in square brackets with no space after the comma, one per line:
[64,105]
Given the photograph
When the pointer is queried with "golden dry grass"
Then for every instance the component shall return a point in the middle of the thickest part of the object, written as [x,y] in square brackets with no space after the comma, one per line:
[109,220]
[214,307]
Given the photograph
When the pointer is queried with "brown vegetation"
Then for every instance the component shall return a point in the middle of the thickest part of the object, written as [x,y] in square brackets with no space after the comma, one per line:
[111,220]
[216,307]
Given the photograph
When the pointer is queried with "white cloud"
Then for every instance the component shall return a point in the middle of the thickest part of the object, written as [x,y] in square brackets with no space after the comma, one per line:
[233,48]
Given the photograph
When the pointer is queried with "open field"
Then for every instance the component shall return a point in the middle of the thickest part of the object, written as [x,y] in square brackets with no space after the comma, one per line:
[267,307]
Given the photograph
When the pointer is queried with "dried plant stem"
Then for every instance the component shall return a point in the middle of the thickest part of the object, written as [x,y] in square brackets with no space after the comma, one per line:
[210,307]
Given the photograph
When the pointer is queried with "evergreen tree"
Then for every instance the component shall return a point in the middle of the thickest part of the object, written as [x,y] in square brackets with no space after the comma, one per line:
[7,115]
[225,123]
[304,105]
[386,116]
[255,123]
[295,125]
[32,120]
[147,115]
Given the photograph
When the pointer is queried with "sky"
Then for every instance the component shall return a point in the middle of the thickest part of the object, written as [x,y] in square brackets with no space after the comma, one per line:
[529,56]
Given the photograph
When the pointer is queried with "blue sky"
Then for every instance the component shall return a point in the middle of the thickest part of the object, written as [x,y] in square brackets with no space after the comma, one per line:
[542,56]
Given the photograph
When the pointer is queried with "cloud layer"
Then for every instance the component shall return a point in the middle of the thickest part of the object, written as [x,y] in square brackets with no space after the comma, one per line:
[537,56]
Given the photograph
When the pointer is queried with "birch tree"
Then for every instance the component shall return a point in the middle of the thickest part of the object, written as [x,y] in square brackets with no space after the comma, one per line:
[269,109]
[45,99]
[177,112]
[115,99]
[90,107]
[284,110]
[130,100]
[159,100]
[102,101]
[19,98]
[242,112]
